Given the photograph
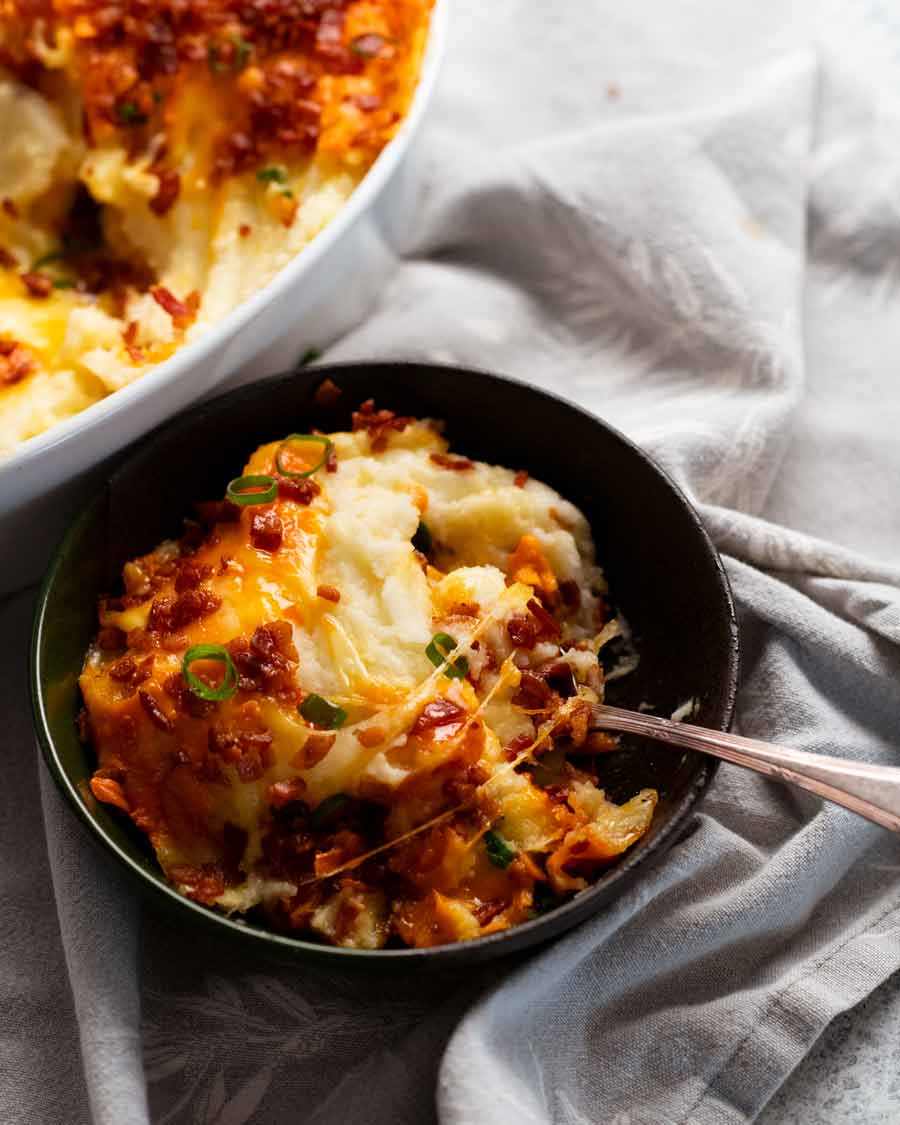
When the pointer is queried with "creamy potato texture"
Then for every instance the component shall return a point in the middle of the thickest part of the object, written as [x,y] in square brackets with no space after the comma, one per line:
[160,162]
[389,740]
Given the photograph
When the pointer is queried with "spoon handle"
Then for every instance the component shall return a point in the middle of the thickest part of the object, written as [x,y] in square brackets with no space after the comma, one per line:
[870,790]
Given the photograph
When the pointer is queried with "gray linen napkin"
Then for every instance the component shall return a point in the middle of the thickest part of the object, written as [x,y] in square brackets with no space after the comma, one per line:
[616,205]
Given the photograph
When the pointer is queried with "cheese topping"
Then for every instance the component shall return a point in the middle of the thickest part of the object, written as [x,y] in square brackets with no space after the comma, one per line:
[160,161]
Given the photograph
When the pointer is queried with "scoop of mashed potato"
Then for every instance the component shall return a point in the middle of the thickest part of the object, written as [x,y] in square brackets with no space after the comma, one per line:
[396,650]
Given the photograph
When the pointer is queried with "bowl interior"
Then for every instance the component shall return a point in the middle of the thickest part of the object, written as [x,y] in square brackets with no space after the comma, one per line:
[662,570]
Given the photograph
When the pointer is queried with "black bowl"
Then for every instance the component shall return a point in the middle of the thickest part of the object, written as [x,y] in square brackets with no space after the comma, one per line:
[663,572]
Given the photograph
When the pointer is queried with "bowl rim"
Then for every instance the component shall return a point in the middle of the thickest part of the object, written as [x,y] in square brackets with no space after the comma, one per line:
[519,936]
[198,351]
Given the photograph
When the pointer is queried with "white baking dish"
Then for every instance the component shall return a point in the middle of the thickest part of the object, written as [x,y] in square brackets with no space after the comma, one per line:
[319,295]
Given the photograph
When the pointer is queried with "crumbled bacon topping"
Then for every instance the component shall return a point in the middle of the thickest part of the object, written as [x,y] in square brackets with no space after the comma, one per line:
[264,661]
[438,713]
[303,490]
[378,423]
[328,593]
[183,313]
[155,713]
[167,192]
[455,464]
[520,479]
[37,284]
[16,362]
[266,531]
[168,614]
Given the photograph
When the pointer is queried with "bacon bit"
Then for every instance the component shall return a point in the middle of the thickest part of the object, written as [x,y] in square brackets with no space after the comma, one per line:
[37,284]
[244,230]
[328,593]
[283,793]
[15,362]
[570,593]
[10,208]
[110,792]
[513,749]
[534,693]
[157,716]
[548,623]
[266,531]
[520,479]
[379,424]
[203,884]
[440,712]
[313,750]
[303,490]
[331,461]
[560,677]
[183,313]
[129,338]
[523,631]
[263,663]
[191,575]
[327,394]
[8,260]
[127,670]
[217,511]
[167,192]
[456,464]
[110,638]
[370,736]
[169,615]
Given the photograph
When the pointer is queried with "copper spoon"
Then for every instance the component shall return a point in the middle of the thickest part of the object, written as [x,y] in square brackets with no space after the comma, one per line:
[870,790]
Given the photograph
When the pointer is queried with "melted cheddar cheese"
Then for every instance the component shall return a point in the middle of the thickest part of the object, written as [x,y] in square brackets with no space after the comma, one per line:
[457,793]
[161,161]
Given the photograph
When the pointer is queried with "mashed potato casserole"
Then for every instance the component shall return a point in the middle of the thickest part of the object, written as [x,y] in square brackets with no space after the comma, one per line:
[160,160]
[355,697]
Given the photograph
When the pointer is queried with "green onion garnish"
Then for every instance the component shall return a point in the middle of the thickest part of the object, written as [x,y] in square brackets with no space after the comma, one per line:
[442,644]
[64,283]
[242,52]
[46,259]
[320,439]
[130,114]
[310,356]
[498,850]
[271,175]
[216,653]
[422,540]
[321,713]
[258,488]
[325,808]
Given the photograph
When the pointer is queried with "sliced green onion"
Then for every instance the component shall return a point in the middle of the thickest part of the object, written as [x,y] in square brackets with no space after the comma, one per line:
[129,114]
[47,259]
[320,439]
[242,52]
[498,850]
[327,807]
[258,488]
[321,713]
[442,644]
[271,175]
[422,540]
[219,655]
